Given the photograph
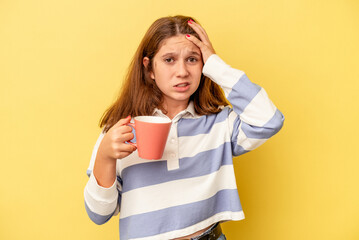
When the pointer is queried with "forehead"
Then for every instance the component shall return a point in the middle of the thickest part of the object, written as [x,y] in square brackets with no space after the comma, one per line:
[176,44]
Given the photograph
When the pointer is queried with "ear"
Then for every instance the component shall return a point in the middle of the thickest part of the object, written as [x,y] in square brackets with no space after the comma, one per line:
[145,62]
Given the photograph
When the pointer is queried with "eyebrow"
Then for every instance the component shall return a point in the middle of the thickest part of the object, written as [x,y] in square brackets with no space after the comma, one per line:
[175,54]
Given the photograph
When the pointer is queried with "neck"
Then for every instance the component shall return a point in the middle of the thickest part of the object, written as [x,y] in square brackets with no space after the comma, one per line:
[174,107]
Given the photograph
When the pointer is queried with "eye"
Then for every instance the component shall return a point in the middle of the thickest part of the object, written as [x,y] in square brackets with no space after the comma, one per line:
[169,60]
[192,59]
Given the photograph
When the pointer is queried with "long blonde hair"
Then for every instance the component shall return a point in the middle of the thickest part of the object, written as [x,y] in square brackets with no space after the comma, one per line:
[140,95]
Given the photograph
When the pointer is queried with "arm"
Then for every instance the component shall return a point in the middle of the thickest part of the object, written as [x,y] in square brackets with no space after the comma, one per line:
[101,203]
[254,118]
[103,190]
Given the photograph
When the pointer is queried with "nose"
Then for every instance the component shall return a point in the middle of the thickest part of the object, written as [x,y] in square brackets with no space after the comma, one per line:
[182,70]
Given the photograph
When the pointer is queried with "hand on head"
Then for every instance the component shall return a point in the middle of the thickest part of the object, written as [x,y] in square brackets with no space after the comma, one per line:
[203,43]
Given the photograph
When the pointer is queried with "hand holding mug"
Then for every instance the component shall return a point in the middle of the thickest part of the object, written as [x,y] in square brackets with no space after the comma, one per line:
[113,145]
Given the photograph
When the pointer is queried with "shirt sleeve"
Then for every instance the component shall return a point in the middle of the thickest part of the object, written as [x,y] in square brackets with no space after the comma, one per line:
[101,203]
[254,118]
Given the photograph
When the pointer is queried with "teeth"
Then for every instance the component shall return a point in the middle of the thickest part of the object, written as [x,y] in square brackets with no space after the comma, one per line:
[182,85]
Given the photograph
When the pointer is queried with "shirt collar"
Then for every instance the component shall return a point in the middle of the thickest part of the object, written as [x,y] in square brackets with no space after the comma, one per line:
[189,112]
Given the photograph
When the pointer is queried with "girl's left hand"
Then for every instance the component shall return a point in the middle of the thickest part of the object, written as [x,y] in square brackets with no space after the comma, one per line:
[203,43]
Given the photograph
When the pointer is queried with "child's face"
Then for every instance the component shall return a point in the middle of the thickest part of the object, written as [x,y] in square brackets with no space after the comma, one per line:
[177,69]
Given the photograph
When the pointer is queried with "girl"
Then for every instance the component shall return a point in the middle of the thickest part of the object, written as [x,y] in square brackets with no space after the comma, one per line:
[176,74]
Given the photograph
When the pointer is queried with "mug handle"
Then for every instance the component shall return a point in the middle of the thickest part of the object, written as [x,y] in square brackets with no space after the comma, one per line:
[129,142]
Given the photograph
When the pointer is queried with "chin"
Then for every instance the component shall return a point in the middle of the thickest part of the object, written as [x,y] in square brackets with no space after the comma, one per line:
[181,98]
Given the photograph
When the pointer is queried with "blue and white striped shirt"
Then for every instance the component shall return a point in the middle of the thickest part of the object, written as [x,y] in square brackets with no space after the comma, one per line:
[193,185]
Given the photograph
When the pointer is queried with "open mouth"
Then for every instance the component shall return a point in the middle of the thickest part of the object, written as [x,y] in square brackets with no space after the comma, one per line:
[182,85]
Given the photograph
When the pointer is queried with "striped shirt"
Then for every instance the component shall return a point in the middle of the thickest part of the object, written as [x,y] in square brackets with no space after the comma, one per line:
[193,185]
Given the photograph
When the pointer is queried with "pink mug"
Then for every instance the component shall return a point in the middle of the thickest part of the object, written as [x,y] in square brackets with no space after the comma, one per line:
[151,136]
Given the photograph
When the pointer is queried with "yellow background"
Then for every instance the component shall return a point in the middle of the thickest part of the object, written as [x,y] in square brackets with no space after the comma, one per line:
[61,64]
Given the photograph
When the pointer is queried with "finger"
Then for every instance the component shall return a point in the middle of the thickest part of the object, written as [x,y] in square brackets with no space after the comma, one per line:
[126,137]
[119,138]
[123,129]
[125,147]
[122,150]
[117,132]
[206,50]
[196,41]
[199,29]
[123,121]
[120,155]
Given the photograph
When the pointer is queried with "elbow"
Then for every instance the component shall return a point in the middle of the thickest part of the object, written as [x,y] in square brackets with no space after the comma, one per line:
[98,221]
[275,124]
[279,119]
[97,218]
[249,137]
